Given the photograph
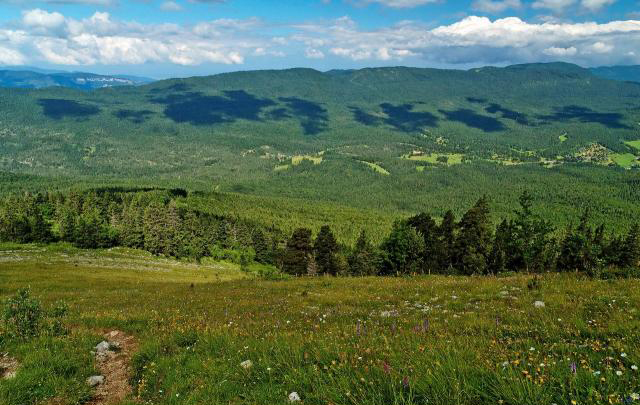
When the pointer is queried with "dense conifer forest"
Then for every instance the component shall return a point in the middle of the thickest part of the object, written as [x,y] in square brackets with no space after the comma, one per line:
[159,221]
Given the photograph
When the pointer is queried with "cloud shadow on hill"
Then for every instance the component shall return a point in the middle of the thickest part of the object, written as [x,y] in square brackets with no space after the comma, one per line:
[199,109]
[585,115]
[134,116]
[313,117]
[401,117]
[508,114]
[474,120]
[60,108]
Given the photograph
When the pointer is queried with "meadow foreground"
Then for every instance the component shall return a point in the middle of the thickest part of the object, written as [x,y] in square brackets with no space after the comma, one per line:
[413,340]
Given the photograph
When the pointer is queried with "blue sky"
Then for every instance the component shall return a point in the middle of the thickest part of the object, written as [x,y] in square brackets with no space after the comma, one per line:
[167,38]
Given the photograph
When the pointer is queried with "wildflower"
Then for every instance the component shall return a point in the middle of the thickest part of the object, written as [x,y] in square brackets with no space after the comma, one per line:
[386,367]
[623,355]
[405,382]
[574,368]
[634,368]
[247,364]
[294,397]
[635,396]
[596,373]
[618,373]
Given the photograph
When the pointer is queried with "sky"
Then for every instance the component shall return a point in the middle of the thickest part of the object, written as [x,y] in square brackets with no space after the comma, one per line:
[178,38]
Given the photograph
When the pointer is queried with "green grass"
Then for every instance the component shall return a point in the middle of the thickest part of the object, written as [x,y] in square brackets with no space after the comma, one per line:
[452,158]
[376,167]
[328,339]
[296,160]
[563,138]
[634,144]
[626,160]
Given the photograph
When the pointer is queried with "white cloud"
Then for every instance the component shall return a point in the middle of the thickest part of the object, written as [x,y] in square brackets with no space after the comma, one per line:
[170,6]
[495,6]
[557,6]
[557,51]
[43,19]
[313,53]
[11,57]
[596,5]
[479,40]
[42,36]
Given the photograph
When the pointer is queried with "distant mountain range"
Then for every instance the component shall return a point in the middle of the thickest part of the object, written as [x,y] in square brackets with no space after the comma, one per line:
[622,73]
[32,79]
[37,78]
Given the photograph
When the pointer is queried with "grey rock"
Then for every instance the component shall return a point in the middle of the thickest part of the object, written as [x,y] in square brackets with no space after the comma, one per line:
[95,380]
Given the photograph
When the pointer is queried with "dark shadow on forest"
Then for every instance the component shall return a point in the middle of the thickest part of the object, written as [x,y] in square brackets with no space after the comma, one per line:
[60,108]
[474,120]
[365,118]
[174,87]
[586,115]
[476,100]
[507,113]
[312,116]
[401,117]
[135,116]
[278,114]
[199,109]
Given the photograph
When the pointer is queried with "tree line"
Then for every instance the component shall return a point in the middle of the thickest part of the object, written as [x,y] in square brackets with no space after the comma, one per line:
[158,221]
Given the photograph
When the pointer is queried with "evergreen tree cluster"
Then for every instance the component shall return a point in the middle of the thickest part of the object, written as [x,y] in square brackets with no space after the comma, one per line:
[159,222]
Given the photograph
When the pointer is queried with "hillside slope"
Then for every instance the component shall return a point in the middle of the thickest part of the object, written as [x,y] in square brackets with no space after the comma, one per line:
[385,138]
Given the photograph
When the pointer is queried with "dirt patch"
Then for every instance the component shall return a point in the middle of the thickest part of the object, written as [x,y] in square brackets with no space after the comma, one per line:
[8,366]
[115,366]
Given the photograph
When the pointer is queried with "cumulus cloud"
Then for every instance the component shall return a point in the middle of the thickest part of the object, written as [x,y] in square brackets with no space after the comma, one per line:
[557,6]
[53,38]
[495,6]
[170,6]
[480,40]
[596,5]
[42,36]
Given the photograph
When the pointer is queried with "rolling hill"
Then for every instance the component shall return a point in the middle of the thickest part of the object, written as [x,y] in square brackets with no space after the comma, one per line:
[389,139]
[76,80]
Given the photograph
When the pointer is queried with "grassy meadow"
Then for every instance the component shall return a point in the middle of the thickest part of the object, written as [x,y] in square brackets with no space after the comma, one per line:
[414,340]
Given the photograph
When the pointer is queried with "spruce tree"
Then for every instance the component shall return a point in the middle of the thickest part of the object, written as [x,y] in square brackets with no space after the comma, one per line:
[363,260]
[296,255]
[473,243]
[325,249]
[428,229]
[403,250]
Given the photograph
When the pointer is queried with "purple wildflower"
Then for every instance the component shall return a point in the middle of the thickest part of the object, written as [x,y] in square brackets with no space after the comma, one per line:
[574,367]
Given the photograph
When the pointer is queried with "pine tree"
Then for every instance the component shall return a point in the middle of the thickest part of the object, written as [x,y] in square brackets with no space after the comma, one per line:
[362,260]
[497,261]
[261,247]
[446,242]
[403,250]
[473,243]
[326,248]
[530,247]
[428,229]
[296,256]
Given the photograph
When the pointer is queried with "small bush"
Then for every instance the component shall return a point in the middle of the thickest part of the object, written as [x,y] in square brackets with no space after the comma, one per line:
[24,318]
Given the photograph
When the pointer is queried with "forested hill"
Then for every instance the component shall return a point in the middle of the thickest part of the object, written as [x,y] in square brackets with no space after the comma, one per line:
[396,138]
[624,73]
[29,79]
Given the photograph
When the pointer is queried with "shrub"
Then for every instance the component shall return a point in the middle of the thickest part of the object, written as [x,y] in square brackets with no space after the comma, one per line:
[24,318]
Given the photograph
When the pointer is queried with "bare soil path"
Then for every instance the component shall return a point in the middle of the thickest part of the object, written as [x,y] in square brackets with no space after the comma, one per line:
[115,366]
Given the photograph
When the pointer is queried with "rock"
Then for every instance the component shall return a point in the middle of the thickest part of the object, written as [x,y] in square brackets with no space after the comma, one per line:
[247,364]
[538,304]
[103,347]
[389,314]
[8,367]
[95,380]
[294,397]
